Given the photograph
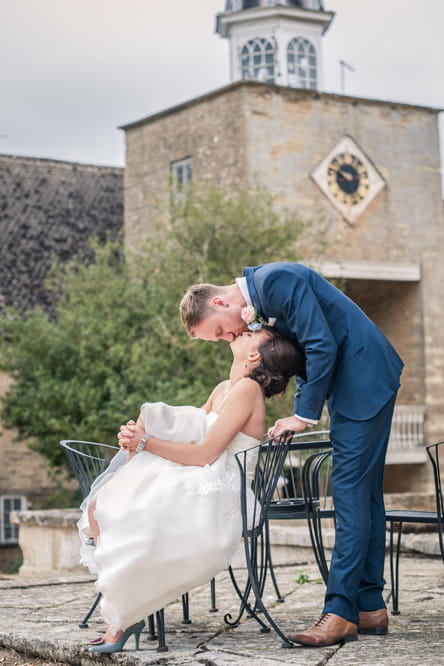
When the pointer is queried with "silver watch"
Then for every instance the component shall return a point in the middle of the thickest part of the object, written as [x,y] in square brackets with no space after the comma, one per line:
[141,445]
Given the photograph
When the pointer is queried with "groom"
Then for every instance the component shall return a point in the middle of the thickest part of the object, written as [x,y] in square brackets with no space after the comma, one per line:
[352,365]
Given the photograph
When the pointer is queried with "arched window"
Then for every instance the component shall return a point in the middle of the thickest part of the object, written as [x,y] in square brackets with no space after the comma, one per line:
[301,64]
[250,3]
[257,60]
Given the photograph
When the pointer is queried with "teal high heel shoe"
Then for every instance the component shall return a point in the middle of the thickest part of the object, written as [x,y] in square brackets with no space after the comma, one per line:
[135,629]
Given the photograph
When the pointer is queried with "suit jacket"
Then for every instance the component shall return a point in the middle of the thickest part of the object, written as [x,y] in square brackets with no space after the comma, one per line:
[348,359]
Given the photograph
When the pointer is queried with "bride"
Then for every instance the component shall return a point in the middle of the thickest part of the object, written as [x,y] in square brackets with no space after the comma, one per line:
[168,520]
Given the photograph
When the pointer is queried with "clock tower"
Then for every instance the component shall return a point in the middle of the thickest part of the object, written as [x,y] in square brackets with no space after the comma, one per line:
[275,41]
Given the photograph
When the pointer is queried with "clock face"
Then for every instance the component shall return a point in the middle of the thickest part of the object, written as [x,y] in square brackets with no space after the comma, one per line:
[348,179]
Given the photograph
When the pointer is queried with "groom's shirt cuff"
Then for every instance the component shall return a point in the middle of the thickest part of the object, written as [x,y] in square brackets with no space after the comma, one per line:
[310,422]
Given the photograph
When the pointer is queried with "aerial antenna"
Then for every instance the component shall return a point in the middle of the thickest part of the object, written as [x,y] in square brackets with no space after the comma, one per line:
[344,65]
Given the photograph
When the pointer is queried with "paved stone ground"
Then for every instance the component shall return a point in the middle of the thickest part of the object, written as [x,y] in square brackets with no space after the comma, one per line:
[38,625]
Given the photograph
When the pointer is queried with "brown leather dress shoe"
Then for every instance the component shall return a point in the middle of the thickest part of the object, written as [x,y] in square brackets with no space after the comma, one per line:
[328,630]
[373,622]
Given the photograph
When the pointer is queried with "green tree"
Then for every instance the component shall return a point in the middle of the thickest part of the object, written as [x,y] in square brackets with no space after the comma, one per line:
[115,339]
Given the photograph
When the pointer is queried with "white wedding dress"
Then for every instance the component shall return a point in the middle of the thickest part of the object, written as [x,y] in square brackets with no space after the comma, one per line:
[165,528]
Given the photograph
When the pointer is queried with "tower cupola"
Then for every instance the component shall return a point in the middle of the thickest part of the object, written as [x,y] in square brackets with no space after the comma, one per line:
[275,41]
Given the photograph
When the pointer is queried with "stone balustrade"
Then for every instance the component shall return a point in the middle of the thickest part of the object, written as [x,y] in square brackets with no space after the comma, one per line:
[49,541]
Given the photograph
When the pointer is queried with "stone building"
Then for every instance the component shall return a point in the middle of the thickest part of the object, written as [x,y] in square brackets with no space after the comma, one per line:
[48,210]
[367,170]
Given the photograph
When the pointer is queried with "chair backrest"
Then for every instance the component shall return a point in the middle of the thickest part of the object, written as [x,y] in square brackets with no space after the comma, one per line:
[87,460]
[433,453]
[306,474]
[297,502]
[269,457]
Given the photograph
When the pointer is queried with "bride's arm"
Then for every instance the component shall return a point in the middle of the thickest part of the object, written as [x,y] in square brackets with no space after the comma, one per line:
[238,409]
[130,432]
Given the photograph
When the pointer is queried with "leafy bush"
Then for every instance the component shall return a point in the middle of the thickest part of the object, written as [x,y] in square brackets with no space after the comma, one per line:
[115,339]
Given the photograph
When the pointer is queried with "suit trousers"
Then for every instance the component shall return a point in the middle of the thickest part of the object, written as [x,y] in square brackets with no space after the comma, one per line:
[356,578]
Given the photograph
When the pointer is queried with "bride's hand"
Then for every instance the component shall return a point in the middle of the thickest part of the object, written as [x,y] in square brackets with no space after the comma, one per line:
[130,435]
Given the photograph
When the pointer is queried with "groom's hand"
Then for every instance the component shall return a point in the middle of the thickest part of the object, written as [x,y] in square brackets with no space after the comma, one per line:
[290,423]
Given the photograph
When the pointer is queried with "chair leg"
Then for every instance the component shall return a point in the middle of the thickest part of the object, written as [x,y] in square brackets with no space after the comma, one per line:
[151,636]
[186,608]
[245,606]
[84,623]
[243,596]
[213,608]
[254,581]
[311,491]
[315,530]
[394,567]
[279,598]
[262,565]
[160,620]
[319,546]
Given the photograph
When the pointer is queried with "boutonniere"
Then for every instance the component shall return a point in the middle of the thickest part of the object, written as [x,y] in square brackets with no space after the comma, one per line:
[253,320]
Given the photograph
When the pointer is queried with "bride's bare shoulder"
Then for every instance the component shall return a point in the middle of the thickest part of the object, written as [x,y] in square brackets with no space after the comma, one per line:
[218,391]
[221,387]
[247,387]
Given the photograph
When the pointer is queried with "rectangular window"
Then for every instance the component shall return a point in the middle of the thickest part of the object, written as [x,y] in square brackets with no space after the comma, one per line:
[182,174]
[8,530]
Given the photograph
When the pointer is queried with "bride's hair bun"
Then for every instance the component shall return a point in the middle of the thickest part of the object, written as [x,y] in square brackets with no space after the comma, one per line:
[280,361]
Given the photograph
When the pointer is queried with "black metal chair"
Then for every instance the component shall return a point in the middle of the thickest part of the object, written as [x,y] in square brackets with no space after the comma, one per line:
[303,493]
[316,476]
[288,483]
[399,517]
[268,459]
[87,461]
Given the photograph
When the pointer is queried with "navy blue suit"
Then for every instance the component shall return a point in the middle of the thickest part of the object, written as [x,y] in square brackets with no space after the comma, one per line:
[353,366]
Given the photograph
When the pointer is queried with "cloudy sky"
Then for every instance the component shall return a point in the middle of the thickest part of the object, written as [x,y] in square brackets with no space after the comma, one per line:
[72,71]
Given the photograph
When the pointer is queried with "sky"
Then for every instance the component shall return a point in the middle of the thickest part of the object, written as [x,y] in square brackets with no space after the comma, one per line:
[73,71]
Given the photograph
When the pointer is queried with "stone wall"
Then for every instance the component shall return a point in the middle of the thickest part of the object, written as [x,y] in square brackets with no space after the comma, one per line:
[252,133]
[22,472]
[212,132]
[396,307]
[49,541]
[289,134]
